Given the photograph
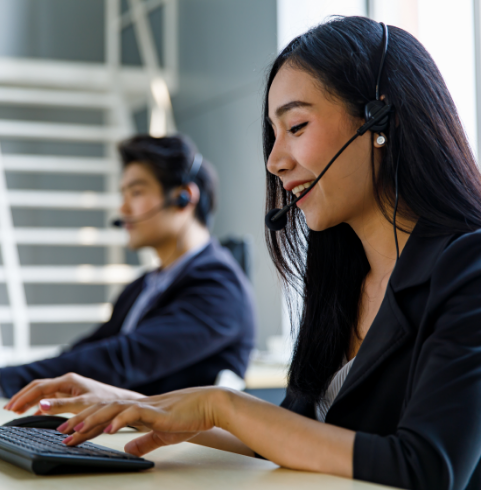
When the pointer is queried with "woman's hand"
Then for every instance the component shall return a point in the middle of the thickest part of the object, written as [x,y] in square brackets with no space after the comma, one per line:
[172,418]
[68,393]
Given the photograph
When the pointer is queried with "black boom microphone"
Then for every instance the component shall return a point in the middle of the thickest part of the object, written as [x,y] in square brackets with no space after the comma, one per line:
[276,219]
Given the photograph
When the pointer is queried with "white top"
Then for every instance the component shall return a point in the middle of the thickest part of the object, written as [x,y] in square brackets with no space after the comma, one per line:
[333,390]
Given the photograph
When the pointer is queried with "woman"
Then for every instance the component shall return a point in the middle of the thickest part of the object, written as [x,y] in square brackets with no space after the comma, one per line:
[402,337]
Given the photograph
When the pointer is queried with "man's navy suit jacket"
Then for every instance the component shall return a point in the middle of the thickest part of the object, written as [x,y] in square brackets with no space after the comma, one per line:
[203,323]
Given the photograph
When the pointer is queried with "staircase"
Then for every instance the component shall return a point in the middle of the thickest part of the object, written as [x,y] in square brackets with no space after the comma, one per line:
[45,87]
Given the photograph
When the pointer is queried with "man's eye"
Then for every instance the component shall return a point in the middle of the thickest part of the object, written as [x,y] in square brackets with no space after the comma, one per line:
[297,128]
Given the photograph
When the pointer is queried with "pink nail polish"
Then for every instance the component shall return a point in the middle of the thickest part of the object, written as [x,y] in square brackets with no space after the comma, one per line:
[67,439]
[45,405]
[78,427]
[62,427]
[108,429]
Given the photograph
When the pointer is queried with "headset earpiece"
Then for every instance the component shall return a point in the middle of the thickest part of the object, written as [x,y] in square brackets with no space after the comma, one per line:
[374,106]
[182,200]
[370,110]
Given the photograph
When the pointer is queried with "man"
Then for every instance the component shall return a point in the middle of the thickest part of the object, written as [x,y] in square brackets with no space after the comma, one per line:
[178,326]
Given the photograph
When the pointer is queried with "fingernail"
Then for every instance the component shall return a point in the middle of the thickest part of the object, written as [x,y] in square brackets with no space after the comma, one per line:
[67,439]
[45,405]
[62,427]
[108,429]
[78,427]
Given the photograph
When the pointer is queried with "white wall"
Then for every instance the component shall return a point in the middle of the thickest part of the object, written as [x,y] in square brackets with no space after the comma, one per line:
[446,29]
[296,16]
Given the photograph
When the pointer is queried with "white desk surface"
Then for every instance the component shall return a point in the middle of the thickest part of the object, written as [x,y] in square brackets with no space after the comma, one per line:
[180,467]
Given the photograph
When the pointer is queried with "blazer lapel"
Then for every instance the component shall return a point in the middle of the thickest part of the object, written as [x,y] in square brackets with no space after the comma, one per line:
[182,273]
[389,331]
[391,328]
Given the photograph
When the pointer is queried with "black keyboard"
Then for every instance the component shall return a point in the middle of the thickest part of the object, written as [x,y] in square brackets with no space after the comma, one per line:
[42,452]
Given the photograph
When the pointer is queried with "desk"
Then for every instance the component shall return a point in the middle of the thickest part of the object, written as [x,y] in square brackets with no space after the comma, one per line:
[179,467]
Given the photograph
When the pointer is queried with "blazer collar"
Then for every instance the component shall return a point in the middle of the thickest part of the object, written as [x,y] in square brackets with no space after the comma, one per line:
[417,261]
[390,329]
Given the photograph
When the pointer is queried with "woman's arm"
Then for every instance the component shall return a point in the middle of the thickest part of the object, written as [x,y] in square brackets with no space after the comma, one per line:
[223,440]
[284,437]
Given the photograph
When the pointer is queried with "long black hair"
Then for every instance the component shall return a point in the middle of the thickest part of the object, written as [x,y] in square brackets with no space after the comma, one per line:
[438,180]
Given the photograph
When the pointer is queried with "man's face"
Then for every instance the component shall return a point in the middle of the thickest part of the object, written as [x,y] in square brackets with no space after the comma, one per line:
[147,222]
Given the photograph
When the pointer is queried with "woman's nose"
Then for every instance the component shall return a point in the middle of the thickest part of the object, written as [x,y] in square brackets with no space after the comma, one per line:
[279,161]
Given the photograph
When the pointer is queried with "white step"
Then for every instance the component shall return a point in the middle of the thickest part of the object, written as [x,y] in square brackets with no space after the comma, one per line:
[134,81]
[63,98]
[80,274]
[58,131]
[90,313]
[70,236]
[75,165]
[63,200]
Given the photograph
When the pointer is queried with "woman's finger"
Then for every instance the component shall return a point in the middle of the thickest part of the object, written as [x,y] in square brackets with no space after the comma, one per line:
[153,440]
[21,393]
[35,391]
[69,426]
[138,413]
[77,438]
[97,415]
[74,404]
[144,444]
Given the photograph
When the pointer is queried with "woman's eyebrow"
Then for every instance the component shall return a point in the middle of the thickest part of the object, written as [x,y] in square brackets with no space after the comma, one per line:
[280,111]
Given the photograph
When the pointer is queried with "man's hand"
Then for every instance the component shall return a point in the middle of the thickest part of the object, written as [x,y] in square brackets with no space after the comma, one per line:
[68,393]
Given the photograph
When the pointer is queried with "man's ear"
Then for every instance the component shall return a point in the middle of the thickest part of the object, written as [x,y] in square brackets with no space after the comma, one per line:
[194,192]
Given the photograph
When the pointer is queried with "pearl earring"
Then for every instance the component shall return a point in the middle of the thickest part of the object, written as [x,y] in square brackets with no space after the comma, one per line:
[381,140]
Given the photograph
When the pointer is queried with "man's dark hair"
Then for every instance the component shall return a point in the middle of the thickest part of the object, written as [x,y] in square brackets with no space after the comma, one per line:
[170,159]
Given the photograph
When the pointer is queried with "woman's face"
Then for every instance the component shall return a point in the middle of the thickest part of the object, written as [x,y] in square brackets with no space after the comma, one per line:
[310,127]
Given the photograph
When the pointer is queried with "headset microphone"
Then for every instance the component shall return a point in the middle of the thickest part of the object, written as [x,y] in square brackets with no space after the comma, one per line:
[377,119]
[118,223]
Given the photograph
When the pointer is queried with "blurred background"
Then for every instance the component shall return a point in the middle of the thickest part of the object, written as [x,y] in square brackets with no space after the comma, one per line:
[76,76]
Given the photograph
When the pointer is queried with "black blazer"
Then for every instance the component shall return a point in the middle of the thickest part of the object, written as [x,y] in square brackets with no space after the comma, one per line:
[413,394]
[203,323]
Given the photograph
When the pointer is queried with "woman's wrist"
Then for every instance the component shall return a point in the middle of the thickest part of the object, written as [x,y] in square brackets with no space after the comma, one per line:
[221,406]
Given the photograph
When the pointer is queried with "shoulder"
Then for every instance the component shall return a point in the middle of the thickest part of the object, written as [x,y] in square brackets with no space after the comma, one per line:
[215,261]
[456,275]
[460,261]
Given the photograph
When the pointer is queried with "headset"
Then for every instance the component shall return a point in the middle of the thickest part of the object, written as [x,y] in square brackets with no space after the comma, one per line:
[376,113]
[181,201]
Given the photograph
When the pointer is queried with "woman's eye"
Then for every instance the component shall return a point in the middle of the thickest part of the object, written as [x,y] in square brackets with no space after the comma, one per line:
[298,127]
